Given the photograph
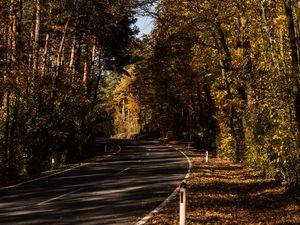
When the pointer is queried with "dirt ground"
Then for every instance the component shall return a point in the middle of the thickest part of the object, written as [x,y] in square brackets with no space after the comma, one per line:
[222,192]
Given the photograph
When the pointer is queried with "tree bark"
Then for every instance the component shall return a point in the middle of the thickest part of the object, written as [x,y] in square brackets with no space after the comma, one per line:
[246,90]
[35,44]
[59,54]
[270,46]
[72,54]
[11,64]
[295,59]
[45,56]
[86,67]
[225,64]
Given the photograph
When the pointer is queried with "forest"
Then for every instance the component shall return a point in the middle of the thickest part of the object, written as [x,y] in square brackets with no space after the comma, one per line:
[224,74]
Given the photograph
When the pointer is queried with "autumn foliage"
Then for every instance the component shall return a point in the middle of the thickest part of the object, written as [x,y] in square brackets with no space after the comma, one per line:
[53,57]
[226,75]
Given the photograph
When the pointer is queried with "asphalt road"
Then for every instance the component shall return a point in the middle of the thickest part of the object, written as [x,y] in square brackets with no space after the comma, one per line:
[118,190]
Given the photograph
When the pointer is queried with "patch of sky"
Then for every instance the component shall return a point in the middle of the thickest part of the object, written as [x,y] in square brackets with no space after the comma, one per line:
[145,25]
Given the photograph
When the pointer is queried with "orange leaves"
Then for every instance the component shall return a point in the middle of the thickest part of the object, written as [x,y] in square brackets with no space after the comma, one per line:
[222,192]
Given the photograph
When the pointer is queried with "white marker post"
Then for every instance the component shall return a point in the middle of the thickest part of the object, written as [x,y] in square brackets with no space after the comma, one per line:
[182,204]
[206,156]
[189,146]
[52,162]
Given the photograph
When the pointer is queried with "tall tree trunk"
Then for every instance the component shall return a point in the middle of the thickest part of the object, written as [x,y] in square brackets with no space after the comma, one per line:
[11,64]
[123,111]
[92,69]
[295,59]
[13,32]
[20,28]
[225,64]
[86,66]
[270,46]
[78,65]
[211,123]
[297,26]
[35,44]
[59,54]
[72,59]
[231,112]
[246,90]
[200,114]
[45,56]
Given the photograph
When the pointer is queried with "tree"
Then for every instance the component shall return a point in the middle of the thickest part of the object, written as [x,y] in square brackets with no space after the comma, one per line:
[223,72]
[54,56]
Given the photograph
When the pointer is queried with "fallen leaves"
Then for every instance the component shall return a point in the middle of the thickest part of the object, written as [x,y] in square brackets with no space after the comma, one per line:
[222,192]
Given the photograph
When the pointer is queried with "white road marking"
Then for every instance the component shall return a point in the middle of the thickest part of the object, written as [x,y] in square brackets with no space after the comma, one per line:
[60,196]
[122,171]
[60,172]
[168,199]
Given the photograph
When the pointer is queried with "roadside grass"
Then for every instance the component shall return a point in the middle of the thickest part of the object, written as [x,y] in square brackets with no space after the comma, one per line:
[222,192]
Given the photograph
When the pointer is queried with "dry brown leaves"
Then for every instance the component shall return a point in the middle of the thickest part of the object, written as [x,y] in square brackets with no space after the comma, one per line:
[221,192]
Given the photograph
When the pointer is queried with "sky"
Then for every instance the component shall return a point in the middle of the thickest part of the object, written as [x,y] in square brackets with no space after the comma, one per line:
[145,25]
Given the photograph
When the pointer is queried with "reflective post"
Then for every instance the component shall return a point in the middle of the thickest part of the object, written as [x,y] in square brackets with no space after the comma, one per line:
[206,156]
[52,162]
[182,207]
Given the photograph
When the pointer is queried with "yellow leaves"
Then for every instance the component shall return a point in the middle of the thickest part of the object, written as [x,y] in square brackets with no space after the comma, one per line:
[126,105]
[280,20]
[276,137]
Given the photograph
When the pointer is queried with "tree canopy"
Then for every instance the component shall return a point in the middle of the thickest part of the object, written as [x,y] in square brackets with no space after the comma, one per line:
[54,55]
[224,74]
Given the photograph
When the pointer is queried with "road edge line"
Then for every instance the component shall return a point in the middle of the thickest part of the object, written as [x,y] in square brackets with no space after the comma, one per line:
[170,197]
[60,172]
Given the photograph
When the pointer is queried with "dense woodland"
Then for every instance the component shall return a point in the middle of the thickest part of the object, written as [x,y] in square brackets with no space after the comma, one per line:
[53,56]
[225,74]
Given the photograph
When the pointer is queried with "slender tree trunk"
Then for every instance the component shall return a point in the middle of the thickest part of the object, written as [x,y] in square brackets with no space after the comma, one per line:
[86,67]
[45,56]
[72,55]
[6,102]
[246,90]
[59,54]
[19,26]
[85,70]
[295,59]
[92,70]
[13,32]
[211,123]
[62,59]
[123,110]
[270,46]
[225,64]
[6,118]
[11,64]
[201,110]
[36,39]
[78,66]
[231,112]
[297,26]
[96,91]
[30,55]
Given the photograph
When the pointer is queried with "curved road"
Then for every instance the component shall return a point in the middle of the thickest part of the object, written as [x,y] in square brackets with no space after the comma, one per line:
[118,190]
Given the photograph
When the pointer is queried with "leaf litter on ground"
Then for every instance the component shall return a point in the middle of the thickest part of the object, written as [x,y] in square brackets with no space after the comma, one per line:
[223,192]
